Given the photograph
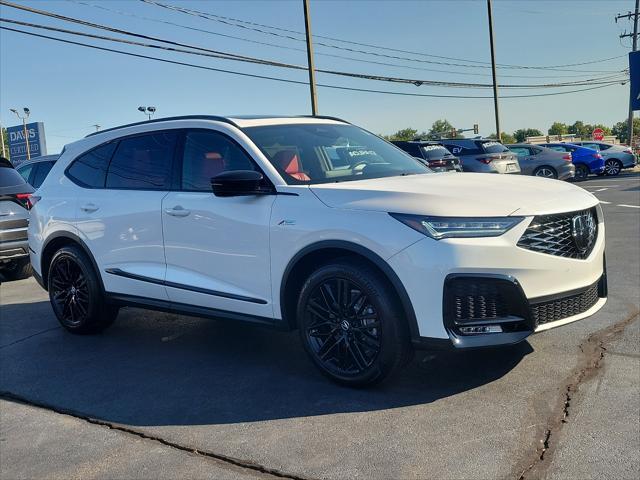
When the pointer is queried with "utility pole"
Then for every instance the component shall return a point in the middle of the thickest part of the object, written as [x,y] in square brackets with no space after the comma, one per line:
[634,38]
[493,71]
[312,74]
[24,118]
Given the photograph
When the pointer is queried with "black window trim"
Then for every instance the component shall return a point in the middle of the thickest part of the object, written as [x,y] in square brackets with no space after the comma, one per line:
[180,159]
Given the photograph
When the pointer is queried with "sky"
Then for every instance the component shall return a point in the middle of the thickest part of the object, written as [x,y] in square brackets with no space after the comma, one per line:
[71,88]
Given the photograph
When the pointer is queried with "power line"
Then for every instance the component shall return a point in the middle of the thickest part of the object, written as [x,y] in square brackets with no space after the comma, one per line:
[297,82]
[275,45]
[230,56]
[479,64]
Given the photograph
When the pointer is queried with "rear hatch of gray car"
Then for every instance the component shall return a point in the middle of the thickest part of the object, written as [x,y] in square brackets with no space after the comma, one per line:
[499,156]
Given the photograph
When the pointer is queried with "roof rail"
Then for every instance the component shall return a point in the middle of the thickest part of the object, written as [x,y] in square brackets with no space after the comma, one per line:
[166,119]
[325,117]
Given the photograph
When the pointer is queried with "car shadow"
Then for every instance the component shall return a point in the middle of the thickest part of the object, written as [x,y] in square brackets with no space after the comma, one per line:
[153,369]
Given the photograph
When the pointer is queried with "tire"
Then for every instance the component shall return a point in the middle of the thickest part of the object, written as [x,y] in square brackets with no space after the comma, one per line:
[546,172]
[612,167]
[75,293]
[582,172]
[358,337]
[18,270]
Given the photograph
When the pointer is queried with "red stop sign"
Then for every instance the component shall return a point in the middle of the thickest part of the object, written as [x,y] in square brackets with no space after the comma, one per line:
[598,134]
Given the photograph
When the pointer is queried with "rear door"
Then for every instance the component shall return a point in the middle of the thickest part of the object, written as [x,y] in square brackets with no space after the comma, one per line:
[119,213]
[216,248]
[525,159]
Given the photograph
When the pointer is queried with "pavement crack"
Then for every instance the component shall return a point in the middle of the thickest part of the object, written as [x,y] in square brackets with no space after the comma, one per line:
[593,350]
[130,431]
[29,336]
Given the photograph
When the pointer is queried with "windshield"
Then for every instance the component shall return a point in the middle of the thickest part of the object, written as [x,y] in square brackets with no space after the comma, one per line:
[324,153]
[435,151]
[492,147]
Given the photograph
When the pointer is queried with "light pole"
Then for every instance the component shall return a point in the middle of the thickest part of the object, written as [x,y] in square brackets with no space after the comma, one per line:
[97,127]
[4,152]
[24,118]
[148,111]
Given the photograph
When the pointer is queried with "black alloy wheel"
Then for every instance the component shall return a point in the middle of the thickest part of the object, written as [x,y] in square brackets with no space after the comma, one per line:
[349,324]
[344,328]
[612,167]
[75,293]
[582,172]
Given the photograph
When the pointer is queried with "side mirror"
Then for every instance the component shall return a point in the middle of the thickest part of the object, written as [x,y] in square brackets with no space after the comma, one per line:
[238,183]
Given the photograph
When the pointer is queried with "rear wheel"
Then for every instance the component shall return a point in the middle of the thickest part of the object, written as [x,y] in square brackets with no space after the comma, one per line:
[18,270]
[612,167]
[546,172]
[350,324]
[75,293]
[582,172]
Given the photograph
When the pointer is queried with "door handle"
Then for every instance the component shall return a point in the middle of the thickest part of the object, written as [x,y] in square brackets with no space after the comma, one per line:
[177,211]
[89,208]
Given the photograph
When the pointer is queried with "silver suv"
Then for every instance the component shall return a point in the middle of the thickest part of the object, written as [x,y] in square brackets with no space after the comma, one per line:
[483,155]
[15,201]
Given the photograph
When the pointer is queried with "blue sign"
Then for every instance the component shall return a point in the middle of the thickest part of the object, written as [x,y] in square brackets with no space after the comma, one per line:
[37,143]
[634,73]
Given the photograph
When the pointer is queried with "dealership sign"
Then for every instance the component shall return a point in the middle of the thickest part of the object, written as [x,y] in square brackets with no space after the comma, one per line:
[634,74]
[18,142]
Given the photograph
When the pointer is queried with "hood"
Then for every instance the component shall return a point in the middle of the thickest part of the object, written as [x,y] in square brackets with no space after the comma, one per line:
[457,194]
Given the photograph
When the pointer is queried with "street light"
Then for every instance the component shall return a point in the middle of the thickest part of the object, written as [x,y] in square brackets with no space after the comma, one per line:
[148,111]
[24,118]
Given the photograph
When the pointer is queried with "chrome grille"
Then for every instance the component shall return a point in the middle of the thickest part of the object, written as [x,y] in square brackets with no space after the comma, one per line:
[571,234]
[565,307]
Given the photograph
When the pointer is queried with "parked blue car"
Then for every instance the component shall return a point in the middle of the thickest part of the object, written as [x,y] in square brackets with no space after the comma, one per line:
[586,160]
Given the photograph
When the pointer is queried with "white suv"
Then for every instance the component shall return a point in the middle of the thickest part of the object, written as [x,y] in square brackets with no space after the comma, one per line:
[311,223]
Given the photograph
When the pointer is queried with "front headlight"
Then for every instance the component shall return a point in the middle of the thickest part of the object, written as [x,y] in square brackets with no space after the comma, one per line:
[458,227]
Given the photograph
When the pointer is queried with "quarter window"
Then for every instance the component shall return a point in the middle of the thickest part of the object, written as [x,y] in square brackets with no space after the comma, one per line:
[207,154]
[90,170]
[42,170]
[143,162]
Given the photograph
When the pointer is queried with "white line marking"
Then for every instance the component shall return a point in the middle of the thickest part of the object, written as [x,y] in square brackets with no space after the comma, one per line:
[598,186]
[606,203]
[600,190]
[629,206]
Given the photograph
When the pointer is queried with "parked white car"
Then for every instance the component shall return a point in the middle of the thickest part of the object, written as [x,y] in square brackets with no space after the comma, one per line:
[314,224]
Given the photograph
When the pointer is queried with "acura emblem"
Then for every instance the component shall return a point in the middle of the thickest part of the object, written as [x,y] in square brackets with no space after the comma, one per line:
[583,231]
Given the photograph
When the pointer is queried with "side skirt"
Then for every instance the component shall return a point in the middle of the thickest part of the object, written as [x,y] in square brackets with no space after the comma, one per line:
[124,300]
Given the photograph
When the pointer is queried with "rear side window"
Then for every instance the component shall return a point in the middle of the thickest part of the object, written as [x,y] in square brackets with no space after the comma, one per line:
[435,151]
[207,154]
[143,162]
[10,178]
[90,170]
[26,171]
[42,170]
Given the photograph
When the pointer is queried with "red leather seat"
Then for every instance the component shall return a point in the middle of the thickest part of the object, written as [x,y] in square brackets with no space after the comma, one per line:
[289,162]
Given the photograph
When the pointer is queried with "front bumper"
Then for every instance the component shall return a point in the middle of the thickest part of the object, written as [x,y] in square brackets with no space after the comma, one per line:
[426,267]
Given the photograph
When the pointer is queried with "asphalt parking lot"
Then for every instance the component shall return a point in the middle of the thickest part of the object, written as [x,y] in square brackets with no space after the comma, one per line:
[165,396]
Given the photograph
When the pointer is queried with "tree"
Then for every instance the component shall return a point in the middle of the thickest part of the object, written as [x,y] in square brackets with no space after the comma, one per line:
[442,128]
[404,134]
[620,130]
[6,143]
[522,134]
[506,137]
[558,128]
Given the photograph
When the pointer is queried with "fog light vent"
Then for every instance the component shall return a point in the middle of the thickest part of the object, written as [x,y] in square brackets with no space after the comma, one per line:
[480,329]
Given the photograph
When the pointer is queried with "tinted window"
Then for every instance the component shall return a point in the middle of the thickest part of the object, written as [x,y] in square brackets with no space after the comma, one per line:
[25,171]
[492,147]
[520,151]
[410,148]
[595,146]
[10,178]
[90,169]
[143,162]
[557,148]
[604,146]
[42,169]
[432,152]
[207,154]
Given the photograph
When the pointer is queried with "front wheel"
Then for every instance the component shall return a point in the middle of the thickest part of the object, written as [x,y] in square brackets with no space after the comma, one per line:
[75,293]
[612,167]
[351,325]
[582,172]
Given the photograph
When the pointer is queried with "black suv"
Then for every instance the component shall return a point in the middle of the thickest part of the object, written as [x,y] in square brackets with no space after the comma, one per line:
[433,154]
